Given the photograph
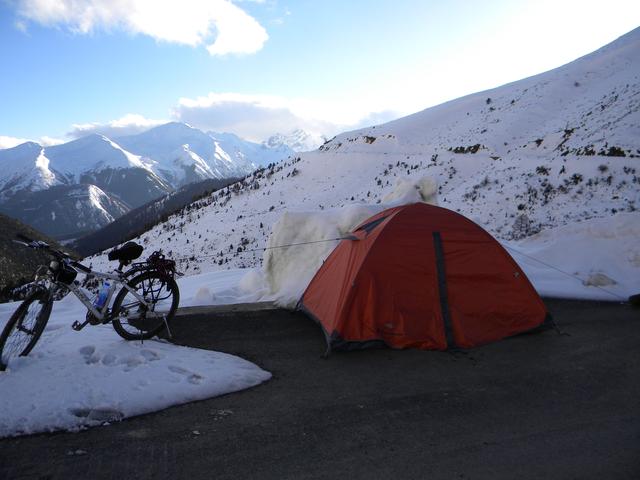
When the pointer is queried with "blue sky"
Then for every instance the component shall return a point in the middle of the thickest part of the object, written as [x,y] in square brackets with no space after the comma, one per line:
[257,67]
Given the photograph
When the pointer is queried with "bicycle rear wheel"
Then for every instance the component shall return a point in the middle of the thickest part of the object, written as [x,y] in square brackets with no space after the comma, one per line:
[132,320]
[25,326]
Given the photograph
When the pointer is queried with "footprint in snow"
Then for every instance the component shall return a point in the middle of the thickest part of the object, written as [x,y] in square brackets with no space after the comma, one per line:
[150,355]
[98,414]
[89,354]
[194,378]
[131,362]
[53,327]
[87,350]
[109,359]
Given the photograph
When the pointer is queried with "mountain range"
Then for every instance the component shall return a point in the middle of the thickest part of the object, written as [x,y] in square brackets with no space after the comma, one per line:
[556,149]
[77,187]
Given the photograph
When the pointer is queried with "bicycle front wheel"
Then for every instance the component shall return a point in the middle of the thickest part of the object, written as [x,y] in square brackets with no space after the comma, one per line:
[132,319]
[25,326]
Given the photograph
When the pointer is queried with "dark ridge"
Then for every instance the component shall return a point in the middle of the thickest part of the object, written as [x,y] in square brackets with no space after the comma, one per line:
[17,262]
[141,219]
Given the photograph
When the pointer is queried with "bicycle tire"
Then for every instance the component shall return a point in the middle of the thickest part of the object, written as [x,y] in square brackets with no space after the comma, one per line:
[23,330]
[131,321]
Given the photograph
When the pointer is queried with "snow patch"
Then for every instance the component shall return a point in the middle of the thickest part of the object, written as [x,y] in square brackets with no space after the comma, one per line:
[204,296]
[407,190]
[595,259]
[288,270]
[74,380]
[313,236]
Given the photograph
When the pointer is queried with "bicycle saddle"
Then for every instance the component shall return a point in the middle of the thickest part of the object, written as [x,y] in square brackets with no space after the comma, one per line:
[127,252]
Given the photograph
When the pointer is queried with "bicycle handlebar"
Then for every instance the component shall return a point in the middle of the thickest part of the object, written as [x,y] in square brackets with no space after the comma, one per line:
[80,267]
[24,238]
[40,245]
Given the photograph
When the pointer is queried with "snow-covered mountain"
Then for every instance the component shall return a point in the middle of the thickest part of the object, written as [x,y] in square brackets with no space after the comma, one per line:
[298,141]
[24,167]
[261,154]
[182,154]
[92,153]
[127,171]
[551,150]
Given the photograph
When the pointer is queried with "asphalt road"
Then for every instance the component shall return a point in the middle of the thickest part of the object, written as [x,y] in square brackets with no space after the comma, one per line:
[535,406]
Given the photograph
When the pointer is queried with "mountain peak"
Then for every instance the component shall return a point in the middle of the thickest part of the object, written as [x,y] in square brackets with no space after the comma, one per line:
[25,147]
[91,139]
[297,140]
[177,127]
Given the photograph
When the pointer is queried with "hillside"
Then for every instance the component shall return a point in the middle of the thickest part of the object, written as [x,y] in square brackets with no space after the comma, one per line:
[142,218]
[555,149]
[18,263]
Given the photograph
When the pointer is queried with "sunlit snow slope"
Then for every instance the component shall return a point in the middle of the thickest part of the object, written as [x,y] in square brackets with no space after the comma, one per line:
[555,149]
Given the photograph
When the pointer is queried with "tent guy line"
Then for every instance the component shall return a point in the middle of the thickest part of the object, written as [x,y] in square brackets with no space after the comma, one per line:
[263,249]
[615,295]
[273,247]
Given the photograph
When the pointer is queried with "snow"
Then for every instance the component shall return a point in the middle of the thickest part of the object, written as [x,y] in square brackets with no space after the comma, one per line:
[25,167]
[598,259]
[92,153]
[114,379]
[47,178]
[313,234]
[530,162]
[527,157]
[96,199]
[74,380]
[222,288]
[298,140]
[169,151]
[177,148]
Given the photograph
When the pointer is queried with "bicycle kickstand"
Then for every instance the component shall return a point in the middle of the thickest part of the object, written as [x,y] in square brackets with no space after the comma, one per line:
[166,324]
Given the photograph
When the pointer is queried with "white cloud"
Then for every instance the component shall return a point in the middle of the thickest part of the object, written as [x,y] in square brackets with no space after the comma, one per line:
[253,117]
[256,117]
[21,26]
[129,124]
[47,141]
[10,142]
[223,27]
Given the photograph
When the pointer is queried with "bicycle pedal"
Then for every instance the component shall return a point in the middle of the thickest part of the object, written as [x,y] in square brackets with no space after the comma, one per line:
[77,326]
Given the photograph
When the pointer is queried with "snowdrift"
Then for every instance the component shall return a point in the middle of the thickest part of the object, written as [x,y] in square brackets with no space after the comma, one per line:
[313,235]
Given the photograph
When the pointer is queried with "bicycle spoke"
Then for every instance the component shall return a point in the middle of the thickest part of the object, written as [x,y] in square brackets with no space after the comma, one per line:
[136,319]
[23,333]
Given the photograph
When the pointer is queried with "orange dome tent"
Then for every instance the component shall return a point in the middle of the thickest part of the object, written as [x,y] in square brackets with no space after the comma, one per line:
[421,276]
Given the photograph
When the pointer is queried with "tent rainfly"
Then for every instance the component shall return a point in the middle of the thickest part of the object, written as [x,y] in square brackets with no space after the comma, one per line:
[421,276]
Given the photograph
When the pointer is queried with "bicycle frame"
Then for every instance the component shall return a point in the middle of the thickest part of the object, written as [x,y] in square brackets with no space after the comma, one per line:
[150,284]
[86,301]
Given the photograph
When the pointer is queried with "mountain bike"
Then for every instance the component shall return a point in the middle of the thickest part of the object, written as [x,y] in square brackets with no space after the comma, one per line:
[143,307]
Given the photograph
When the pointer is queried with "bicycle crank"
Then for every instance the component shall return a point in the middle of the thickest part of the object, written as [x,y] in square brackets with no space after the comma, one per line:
[77,326]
